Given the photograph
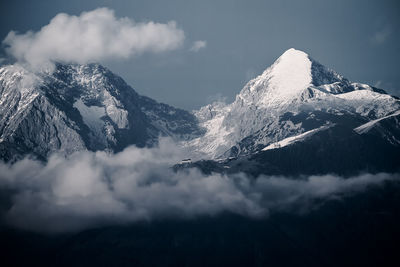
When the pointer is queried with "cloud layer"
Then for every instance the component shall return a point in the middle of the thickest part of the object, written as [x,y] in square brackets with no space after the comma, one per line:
[92,36]
[90,189]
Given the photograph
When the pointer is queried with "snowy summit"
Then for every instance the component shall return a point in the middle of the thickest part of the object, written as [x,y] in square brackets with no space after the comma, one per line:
[295,83]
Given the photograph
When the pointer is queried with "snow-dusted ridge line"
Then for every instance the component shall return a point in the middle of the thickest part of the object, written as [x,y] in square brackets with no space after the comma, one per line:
[369,125]
[87,106]
[293,139]
[80,107]
[295,83]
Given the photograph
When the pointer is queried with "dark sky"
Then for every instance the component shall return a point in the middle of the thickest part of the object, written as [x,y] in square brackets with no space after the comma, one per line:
[359,39]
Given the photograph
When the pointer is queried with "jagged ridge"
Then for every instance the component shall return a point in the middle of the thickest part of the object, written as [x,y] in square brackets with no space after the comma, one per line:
[295,84]
[79,107]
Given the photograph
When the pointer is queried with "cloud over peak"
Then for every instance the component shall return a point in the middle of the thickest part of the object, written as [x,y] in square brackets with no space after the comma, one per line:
[92,36]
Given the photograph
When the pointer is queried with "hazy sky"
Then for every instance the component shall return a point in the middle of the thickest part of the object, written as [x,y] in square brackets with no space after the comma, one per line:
[228,42]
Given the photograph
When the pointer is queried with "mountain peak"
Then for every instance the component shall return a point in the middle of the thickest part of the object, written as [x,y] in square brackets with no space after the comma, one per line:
[292,52]
[290,72]
[288,77]
[294,96]
[302,70]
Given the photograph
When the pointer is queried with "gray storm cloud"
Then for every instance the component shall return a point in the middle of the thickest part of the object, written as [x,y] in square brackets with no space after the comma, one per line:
[92,36]
[89,189]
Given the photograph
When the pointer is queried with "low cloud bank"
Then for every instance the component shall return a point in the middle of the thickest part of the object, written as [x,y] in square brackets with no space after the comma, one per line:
[92,36]
[90,189]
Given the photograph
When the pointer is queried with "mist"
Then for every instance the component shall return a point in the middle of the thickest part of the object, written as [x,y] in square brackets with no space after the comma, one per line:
[92,189]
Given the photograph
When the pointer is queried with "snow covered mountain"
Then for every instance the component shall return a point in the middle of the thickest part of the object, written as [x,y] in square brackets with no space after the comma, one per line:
[296,111]
[294,98]
[80,107]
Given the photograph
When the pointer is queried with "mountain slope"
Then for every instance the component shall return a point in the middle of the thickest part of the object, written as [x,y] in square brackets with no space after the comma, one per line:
[284,111]
[295,95]
[80,107]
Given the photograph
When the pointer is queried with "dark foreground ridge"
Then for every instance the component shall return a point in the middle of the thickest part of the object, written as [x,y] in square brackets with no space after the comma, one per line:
[337,150]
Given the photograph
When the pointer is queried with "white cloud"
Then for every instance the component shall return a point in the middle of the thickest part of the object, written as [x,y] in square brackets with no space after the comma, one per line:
[89,189]
[198,45]
[92,36]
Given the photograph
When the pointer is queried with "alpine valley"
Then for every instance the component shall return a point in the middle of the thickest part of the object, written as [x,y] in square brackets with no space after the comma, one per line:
[297,117]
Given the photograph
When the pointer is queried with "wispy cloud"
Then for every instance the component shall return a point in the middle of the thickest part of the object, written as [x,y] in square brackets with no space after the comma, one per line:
[378,84]
[197,45]
[89,189]
[250,74]
[381,35]
[92,36]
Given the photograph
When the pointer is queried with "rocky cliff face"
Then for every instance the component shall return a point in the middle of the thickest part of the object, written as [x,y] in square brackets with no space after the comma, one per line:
[79,107]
